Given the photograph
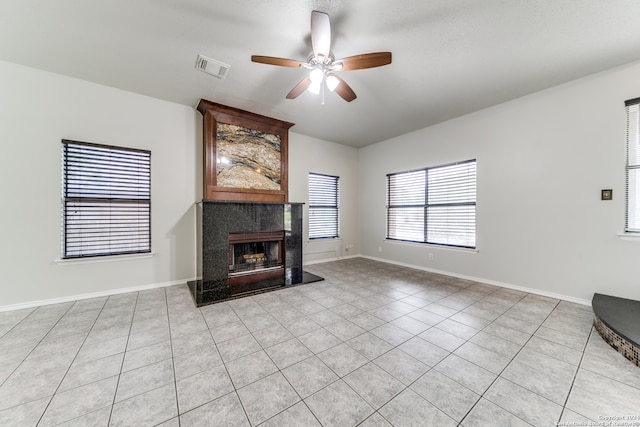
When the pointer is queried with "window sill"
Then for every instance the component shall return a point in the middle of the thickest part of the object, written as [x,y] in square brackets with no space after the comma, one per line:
[99,259]
[432,245]
[630,237]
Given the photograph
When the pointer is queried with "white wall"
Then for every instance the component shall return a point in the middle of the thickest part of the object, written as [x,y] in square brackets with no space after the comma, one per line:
[542,161]
[307,154]
[37,111]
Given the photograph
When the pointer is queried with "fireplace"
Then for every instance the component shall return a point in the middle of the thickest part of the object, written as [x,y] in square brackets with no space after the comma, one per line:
[249,236]
[246,247]
[255,256]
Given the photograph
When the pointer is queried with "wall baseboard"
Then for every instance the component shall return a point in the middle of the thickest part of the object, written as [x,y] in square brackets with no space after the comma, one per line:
[486,281]
[100,294]
[71,298]
[320,261]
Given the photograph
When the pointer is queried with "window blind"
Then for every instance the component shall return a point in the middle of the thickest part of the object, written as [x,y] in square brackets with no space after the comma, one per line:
[433,205]
[107,200]
[632,215]
[324,195]
[405,207]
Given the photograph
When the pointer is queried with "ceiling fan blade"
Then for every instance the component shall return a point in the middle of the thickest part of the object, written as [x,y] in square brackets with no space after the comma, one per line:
[282,62]
[299,88]
[367,60]
[343,89]
[320,34]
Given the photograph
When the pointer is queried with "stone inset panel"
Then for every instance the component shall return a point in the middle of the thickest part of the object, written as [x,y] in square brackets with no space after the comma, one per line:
[245,155]
[247,158]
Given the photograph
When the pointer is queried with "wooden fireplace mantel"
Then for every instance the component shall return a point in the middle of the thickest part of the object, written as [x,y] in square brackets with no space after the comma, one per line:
[217,114]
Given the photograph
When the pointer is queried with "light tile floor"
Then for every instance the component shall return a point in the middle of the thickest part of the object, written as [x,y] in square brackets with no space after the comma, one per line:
[373,345]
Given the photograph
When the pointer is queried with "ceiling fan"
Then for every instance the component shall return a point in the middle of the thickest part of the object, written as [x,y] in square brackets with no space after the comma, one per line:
[322,65]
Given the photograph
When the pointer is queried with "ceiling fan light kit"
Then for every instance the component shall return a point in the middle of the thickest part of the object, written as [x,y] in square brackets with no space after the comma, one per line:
[322,65]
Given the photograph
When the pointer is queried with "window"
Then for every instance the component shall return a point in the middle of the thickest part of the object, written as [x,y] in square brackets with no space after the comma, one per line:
[323,206]
[433,205]
[107,200]
[632,217]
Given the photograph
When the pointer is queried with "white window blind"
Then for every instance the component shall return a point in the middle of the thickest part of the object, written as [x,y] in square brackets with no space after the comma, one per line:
[324,197]
[433,205]
[632,217]
[107,200]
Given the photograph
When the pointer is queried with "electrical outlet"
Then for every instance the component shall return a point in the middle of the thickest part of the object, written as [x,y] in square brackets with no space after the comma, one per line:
[430,256]
[379,248]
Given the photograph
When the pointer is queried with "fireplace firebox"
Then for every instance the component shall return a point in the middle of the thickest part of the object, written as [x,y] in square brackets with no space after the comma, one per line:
[255,256]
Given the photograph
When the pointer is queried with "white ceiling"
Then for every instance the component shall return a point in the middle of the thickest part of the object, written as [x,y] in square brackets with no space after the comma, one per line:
[450,57]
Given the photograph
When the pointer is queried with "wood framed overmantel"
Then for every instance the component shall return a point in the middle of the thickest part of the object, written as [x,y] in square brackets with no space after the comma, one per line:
[245,155]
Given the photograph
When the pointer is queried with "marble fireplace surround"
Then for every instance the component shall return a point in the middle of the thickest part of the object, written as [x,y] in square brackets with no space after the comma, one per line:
[217,219]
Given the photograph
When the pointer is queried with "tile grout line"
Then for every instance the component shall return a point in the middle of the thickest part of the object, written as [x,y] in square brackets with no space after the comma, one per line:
[285,377]
[312,355]
[339,378]
[36,345]
[507,365]
[405,387]
[498,375]
[408,387]
[173,359]
[133,314]
[224,363]
[332,293]
[564,406]
[74,357]
[30,351]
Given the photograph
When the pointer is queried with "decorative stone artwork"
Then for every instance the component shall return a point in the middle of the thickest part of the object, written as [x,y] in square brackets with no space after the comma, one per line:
[247,158]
